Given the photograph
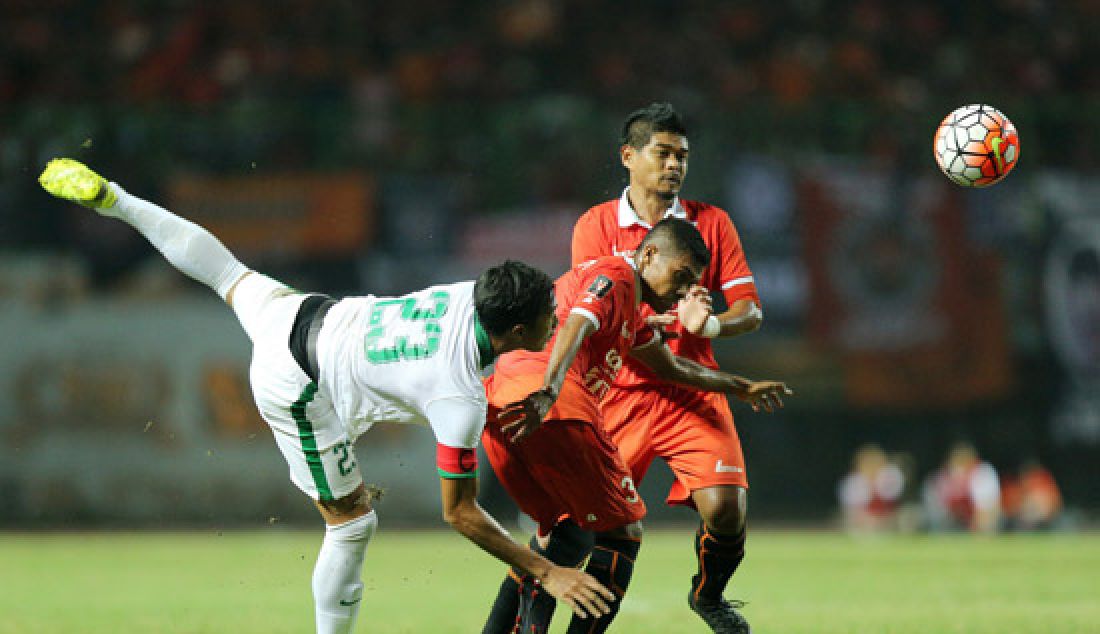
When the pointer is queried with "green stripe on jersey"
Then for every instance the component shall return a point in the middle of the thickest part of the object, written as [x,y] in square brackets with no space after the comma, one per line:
[309,442]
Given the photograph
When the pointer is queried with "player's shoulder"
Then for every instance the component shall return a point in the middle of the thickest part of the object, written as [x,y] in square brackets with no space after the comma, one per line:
[601,213]
[702,212]
[614,265]
[452,298]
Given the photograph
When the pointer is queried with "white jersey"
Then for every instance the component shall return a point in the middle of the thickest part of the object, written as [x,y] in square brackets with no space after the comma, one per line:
[410,359]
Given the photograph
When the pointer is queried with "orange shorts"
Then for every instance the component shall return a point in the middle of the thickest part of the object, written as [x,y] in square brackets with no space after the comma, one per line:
[566,468]
[691,430]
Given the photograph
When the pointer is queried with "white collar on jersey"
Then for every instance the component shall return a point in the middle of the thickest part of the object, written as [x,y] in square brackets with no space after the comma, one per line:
[628,217]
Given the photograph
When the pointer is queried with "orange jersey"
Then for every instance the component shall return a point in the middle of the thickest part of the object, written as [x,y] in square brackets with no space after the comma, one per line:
[614,229]
[605,292]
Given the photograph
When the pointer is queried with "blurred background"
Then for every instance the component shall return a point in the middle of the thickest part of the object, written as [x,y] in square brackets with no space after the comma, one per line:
[944,343]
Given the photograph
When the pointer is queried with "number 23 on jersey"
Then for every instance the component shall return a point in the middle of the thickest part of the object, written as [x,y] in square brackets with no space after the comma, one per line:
[412,333]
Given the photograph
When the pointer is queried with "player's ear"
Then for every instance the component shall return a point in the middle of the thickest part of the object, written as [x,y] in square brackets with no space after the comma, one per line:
[649,253]
[626,154]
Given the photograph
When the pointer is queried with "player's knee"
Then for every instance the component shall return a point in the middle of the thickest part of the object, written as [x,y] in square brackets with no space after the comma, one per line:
[345,509]
[726,513]
[337,586]
[357,531]
[632,531]
[569,544]
[613,560]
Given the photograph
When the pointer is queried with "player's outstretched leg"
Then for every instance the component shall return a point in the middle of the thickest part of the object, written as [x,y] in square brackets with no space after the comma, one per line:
[337,576]
[568,545]
[612,564]
[718,555]
[186,246]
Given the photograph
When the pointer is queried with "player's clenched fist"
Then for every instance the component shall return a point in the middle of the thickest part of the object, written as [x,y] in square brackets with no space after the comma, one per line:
[586,596]
[694,309]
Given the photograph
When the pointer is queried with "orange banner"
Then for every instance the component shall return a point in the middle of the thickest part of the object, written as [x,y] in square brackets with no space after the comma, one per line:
[296,214]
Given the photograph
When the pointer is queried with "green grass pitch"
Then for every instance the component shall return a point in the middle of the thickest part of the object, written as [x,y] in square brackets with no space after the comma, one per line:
[796,582]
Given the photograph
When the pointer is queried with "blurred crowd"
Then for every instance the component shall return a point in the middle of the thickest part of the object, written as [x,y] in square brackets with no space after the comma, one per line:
[469,88]
[797,51]
[881,493]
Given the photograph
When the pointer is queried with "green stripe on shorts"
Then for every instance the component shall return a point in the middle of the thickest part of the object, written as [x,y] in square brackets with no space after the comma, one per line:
[309,442]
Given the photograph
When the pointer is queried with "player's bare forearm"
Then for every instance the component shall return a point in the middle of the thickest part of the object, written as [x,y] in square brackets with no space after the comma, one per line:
[571,335]
[521,418]
[742,317]
[670,367]
[462,511]
[766,395]
[577,589]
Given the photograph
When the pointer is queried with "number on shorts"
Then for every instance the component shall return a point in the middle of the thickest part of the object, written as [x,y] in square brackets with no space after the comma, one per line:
[384,348]
[632,491]
[347,458]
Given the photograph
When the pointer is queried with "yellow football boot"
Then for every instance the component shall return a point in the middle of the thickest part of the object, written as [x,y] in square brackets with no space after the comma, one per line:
[76,182]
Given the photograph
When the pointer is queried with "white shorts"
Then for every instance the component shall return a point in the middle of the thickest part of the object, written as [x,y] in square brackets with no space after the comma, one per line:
[312,438]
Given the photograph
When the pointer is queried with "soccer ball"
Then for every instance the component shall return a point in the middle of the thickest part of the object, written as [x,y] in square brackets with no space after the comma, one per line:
[976,146]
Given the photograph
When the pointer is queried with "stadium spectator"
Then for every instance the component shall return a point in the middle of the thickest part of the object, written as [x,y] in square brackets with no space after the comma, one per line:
[1031,499]
[870,495]
[963,494]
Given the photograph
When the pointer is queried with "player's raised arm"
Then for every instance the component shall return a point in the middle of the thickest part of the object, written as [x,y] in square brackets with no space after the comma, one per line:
[584,595]
[523,417]
[694,312]
[760,394]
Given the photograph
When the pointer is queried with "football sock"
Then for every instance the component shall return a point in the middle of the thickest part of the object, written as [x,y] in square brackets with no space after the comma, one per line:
[337,577]
[718,556]
[187,246]
[503,614]
[612,564]
[569,544]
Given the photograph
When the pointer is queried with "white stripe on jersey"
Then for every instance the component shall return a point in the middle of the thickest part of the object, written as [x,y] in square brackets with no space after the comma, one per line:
[734,282]
[584,312]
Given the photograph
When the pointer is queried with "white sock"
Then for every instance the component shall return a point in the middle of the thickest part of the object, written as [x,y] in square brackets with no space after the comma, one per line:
[337,578]
[187,246]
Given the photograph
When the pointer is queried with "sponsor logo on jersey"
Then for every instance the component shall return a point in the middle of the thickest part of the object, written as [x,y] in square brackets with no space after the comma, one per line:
[624,253]
[601,286]
[721,468]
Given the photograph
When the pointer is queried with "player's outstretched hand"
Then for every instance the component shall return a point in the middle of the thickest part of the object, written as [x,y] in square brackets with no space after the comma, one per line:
[765,394]
[694,309]
[579,590]
[521,418]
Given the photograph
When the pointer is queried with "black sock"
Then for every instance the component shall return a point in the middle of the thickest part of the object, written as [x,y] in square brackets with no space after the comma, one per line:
[718,556]
[502,616]
[612,564]
[568,546]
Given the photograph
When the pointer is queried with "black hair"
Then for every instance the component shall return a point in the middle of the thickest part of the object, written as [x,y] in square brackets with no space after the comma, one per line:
[512,293]
[645,122]
[682,236]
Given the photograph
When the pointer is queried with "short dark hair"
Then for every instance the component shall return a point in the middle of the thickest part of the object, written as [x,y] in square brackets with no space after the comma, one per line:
[512,293]
[682,236]
[645,122]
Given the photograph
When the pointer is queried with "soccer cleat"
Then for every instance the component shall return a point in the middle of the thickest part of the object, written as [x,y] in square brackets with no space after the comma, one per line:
[720,614]
[76,182]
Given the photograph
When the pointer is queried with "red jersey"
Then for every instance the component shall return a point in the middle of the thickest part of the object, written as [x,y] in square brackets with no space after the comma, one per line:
[613,228]
[604,291]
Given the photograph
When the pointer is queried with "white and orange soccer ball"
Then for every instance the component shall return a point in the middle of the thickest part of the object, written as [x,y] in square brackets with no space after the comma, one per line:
[976,146]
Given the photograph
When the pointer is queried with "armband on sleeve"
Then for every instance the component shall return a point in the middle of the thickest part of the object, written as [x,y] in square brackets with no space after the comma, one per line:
[455,462]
